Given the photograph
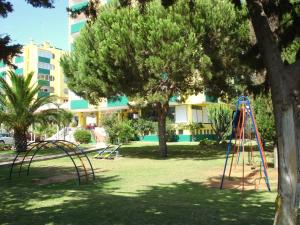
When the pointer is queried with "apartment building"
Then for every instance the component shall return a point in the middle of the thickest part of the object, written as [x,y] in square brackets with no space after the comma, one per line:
[44,61]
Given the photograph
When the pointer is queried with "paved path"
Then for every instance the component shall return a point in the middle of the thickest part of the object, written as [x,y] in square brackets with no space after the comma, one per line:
[42,158]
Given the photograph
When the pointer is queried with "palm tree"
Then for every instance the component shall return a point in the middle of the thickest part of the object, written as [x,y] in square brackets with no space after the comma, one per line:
[19,100]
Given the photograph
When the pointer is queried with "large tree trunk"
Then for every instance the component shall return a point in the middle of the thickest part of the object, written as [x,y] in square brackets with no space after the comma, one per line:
[287,200]
[162,110]
[20,140]
[285,84]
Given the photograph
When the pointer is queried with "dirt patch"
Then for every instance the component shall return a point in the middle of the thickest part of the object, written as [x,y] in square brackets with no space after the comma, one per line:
[60,178]
[55,179]
[253,179]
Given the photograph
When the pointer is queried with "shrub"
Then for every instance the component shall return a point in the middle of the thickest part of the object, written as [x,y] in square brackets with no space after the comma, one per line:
[143,127]
[119,131]
[220,118]
[83,136]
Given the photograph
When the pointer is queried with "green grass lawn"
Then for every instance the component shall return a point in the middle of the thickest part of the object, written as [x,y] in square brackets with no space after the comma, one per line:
[139,188]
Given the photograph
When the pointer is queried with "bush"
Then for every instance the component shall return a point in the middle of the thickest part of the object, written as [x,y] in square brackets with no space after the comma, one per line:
[83,136]
[144,127]
[220,118]
[119,131]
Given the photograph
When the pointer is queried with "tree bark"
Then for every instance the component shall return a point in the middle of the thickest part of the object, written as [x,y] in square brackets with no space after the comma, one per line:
[283,81]
[162,110]
[20,140]
[275,156]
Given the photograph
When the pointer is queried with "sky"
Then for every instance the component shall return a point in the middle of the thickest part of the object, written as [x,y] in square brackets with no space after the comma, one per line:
[27,23]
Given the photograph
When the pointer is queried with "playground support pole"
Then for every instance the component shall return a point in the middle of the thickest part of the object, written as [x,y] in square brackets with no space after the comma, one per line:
[237,135]
[260,149]
[228,151]
[244,101]
[243,146]
[227,155]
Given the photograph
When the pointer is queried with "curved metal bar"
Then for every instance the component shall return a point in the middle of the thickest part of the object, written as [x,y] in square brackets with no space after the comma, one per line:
[89,161]
[82,152]
[76,154]
[27,152]
[38,146]
[64,150]
[62,145]
[12,165]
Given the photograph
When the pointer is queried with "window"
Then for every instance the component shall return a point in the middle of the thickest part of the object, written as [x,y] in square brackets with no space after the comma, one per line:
[44,89]
[45,54]
[52,78]
[51,90]
[43,77]
[52,67]
[180,114]
[45,66]
[180,131]
[197,114]
[205,115]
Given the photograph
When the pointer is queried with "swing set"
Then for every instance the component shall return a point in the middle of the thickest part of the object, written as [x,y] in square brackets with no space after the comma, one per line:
[243,128]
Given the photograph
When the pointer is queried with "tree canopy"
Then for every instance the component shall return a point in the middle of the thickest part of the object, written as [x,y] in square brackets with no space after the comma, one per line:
[155,54]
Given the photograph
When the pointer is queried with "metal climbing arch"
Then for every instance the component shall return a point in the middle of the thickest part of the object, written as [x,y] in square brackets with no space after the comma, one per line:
[83,166]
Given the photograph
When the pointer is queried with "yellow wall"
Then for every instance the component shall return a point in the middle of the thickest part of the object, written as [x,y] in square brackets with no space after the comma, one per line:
[31,64]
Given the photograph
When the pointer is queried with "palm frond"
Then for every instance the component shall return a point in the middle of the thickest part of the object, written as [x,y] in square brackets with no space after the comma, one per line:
[20,101]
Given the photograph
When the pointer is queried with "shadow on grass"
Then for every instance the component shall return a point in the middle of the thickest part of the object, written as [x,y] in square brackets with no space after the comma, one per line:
[179,203]
[198,152]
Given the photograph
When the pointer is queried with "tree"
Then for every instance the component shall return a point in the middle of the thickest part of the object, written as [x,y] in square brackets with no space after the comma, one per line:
[220,118]
[277,49]
[276,45]
[276,26]
[20,104]
[7,50]
[156,61]
[153,55]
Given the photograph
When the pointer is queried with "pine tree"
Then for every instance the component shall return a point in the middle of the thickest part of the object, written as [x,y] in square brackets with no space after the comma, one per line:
[155,54]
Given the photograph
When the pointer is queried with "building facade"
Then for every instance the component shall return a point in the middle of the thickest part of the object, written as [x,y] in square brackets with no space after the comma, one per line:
[44,61]
[193,110]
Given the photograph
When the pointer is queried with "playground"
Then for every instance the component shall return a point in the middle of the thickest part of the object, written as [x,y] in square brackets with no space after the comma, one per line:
[137,188]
